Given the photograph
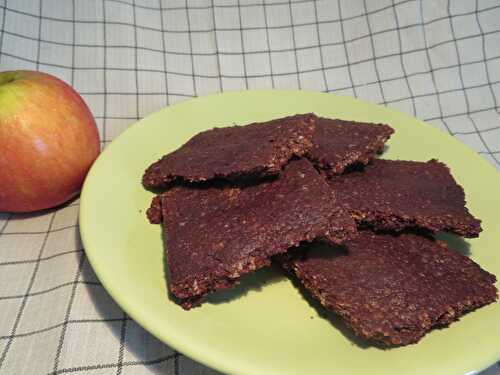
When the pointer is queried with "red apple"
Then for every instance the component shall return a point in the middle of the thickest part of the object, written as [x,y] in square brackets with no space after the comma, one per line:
[48,141]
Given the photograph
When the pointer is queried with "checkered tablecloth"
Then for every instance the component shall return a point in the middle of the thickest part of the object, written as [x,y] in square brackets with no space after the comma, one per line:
[436,60]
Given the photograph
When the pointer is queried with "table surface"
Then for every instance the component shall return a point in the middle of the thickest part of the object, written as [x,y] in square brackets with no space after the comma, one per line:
[436,60]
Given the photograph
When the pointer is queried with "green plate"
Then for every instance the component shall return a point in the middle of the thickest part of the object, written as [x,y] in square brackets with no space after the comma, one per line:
[265,326]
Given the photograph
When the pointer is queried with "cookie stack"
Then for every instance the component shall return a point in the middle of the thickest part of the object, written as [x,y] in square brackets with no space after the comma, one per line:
[307,193]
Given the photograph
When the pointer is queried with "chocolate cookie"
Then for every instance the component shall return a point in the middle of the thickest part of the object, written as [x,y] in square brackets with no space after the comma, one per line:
[338,144]
[396,194]
[255,150]
[393,289]
[215,235]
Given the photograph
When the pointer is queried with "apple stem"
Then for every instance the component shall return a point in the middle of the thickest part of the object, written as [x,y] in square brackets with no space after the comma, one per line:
[7,77]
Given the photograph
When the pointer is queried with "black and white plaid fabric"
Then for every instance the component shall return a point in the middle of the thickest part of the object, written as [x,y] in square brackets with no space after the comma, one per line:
[437,60]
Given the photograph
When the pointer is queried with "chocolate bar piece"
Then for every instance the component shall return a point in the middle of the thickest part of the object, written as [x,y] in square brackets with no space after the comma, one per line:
[338,144]
[397,194]
[231,153]
[393,289]
[214,235]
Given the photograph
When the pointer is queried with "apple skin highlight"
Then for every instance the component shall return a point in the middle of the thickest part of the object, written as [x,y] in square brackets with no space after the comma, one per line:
[48,141]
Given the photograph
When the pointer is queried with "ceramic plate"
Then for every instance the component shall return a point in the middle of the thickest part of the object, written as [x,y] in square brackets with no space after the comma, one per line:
[265,325]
